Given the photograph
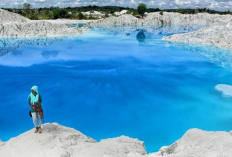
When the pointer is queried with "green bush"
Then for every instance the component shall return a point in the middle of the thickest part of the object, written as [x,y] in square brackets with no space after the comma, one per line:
[63,13]
[33,17]
[56,13]
[142,8]
[106,15]
[80,16]
[129,12]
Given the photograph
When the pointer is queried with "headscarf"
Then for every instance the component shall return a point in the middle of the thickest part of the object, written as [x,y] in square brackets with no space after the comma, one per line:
[34,98]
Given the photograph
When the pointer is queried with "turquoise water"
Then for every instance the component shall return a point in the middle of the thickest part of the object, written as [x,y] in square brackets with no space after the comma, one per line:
[107,84]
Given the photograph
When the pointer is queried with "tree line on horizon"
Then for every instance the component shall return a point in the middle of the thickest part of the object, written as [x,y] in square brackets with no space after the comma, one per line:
[76,12]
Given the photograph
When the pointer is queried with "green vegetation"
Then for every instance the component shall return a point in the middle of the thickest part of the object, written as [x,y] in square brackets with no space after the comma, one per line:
[142,8]
[26,6]
[81,16]
[76,12]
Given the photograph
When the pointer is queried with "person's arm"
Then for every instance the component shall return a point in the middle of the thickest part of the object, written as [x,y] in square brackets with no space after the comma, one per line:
[29,101]
[40,99]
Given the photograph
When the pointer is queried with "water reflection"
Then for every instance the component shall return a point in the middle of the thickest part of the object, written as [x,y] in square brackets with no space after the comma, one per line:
[78,25]
[8,45]
[49,54]
[80,49]
[155,29]
[141,35]
[219,56]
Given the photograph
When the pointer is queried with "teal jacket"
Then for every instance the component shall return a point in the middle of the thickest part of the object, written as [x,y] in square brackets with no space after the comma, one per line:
[29,102]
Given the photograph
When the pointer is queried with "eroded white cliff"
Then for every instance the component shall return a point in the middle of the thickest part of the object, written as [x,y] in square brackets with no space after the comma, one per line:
[60,141]
[199,143]
[14,25]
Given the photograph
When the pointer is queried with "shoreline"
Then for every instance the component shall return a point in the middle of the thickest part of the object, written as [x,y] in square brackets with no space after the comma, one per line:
[66,21]
[218,30]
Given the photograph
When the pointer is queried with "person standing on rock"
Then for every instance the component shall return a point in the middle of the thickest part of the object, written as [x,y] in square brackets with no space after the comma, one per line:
[35,100]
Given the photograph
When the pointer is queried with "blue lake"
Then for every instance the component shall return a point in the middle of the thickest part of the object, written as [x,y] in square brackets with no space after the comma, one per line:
[107,83]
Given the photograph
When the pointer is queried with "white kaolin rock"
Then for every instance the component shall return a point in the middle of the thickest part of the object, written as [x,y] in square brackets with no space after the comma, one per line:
[1,142]
[8,17]
[60,141]
[14,25]
[225,89]
[218,35]
[166,19]
[198,143]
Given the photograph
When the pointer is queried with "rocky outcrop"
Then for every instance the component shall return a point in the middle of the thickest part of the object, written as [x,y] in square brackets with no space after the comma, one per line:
[198,143]
[37,29]
[123,20]
[67,21]
[14,25]
[184,19]
[60,141]
[217,35]
[165,19]
[1,142]
[118,13]
[94,14]
[225,89]
[8,17]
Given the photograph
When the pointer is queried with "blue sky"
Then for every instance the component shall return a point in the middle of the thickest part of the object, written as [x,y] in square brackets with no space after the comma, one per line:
[211,4]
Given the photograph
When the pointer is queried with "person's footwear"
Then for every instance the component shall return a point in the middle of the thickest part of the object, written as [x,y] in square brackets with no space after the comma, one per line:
[40,130]
[36,130]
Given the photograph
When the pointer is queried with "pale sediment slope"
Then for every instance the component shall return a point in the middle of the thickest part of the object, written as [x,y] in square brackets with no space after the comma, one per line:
[224,89]
[166,19]
[14,25]
[198,143]
[123,20]
[1,142]
[217,35]
[8,17]
[37,29]
[60,141]
[184,19]
[66,21]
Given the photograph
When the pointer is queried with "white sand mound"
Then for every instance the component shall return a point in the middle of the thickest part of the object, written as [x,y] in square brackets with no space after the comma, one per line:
[37,29]
[218,35]
[8,17]
[225,89]
[60,141]
[1,142]
[126,20]
[198,143]
[167,18]
[14,25]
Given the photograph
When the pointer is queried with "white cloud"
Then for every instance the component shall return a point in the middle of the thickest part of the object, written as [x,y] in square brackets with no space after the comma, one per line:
[39,0]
